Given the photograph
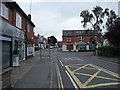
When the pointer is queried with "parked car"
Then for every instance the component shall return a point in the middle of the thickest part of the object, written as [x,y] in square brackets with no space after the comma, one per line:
[51,47]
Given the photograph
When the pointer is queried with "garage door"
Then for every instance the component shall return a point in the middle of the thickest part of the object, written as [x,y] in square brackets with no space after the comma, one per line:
[5,54]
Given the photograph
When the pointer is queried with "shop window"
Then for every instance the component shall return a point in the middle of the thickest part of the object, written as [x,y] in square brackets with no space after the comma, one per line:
[69,47]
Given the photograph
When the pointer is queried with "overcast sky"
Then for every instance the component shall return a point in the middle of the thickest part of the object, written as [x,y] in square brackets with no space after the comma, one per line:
[54,16]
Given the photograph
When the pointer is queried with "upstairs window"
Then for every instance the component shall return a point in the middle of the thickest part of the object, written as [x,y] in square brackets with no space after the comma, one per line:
[4,11]
[81,39]
[18,20]
[69,40]
[28,27]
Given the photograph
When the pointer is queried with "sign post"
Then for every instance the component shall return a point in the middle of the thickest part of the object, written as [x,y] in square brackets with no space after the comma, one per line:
[41,40]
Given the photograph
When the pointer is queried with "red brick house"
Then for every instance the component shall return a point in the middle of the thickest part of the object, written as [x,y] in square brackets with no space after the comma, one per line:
[16,34]
[78,39]
[36,42]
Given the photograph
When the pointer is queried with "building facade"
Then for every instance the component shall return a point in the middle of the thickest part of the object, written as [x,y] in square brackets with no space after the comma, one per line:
[74,40]
[16,36]
[36,42]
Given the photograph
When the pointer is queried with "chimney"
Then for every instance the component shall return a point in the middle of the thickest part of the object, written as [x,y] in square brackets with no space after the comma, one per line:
[29,16]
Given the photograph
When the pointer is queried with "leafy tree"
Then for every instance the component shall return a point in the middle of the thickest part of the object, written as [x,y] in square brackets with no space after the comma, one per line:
[95,18]
[53,40]
[113,33]
[111,20]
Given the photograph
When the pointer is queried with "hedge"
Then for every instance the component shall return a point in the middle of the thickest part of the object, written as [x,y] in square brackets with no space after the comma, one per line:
[109,51]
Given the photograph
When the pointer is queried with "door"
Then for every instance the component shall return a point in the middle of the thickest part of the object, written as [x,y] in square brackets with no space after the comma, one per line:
[6,51]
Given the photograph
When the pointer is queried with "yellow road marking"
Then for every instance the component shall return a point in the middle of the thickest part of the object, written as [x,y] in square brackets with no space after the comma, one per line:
[103,84]
[97,76]
[107,72]
[75,78]
[91,78]
[75,64]
[90,68]
[94,66]
[60,84]
[80,67]
[112,74]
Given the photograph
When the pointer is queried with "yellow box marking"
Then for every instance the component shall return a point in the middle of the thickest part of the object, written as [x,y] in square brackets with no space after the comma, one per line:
[103,84]
[97,76]
[80,67]
[84,85]
[91,78]
[74,77]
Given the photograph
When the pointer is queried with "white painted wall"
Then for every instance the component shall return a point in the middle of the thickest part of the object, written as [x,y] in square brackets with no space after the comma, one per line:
[64,48]
[74,47]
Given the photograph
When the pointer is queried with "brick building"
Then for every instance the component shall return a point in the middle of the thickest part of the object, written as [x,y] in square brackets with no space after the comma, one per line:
[78,39]
[16,35]
[36,42]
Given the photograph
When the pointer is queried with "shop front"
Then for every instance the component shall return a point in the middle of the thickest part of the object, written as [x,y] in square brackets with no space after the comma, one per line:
[68,47]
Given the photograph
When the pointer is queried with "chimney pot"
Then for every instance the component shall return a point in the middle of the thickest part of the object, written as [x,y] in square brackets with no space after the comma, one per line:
[29,16]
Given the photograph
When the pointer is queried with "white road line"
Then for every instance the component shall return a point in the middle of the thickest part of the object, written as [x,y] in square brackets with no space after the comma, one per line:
[61,63]
[107,70]
[72,81]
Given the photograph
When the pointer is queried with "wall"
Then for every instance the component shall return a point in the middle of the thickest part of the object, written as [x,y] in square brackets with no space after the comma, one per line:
[76,38]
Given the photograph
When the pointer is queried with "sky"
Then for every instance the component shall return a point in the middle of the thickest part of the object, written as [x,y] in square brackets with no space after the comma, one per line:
[53,16]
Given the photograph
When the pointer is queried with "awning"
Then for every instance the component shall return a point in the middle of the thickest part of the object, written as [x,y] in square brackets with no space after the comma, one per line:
[68,43]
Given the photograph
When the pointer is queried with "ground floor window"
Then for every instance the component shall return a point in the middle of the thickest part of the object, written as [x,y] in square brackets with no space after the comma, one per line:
[69,47]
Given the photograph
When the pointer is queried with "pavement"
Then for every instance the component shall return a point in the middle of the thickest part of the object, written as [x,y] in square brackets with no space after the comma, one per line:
[109,59]
[35,73]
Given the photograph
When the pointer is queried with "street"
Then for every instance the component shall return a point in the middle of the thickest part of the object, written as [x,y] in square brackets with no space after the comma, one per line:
[84,70]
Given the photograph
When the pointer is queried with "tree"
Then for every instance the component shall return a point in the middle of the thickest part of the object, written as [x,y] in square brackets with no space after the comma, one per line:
[113,33]
[111,20]
[95,18]
[53,40]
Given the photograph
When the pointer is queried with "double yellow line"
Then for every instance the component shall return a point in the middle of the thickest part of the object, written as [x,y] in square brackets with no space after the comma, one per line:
[60,83]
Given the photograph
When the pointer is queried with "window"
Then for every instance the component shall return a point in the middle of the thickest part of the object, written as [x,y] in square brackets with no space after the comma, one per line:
[18,20]
[69,47]
[4,11]
[69,40]
[81,39]
[28,27]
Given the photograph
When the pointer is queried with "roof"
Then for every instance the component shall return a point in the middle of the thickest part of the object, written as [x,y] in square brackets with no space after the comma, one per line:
[79,32]
[15,5]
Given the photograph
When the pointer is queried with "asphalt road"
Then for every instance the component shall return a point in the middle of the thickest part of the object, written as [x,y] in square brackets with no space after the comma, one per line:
[83,70]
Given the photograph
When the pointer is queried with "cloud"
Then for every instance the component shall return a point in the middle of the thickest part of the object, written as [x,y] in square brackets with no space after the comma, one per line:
[72,23]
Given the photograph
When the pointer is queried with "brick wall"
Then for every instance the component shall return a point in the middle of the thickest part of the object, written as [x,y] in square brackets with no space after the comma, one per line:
[76,38]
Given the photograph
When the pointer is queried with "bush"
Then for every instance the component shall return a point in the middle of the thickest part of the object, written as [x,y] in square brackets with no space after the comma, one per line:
[16,52]
[109,51]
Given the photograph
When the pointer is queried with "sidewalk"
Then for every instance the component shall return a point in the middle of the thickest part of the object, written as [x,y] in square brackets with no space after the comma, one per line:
[109,59]
[35,73]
